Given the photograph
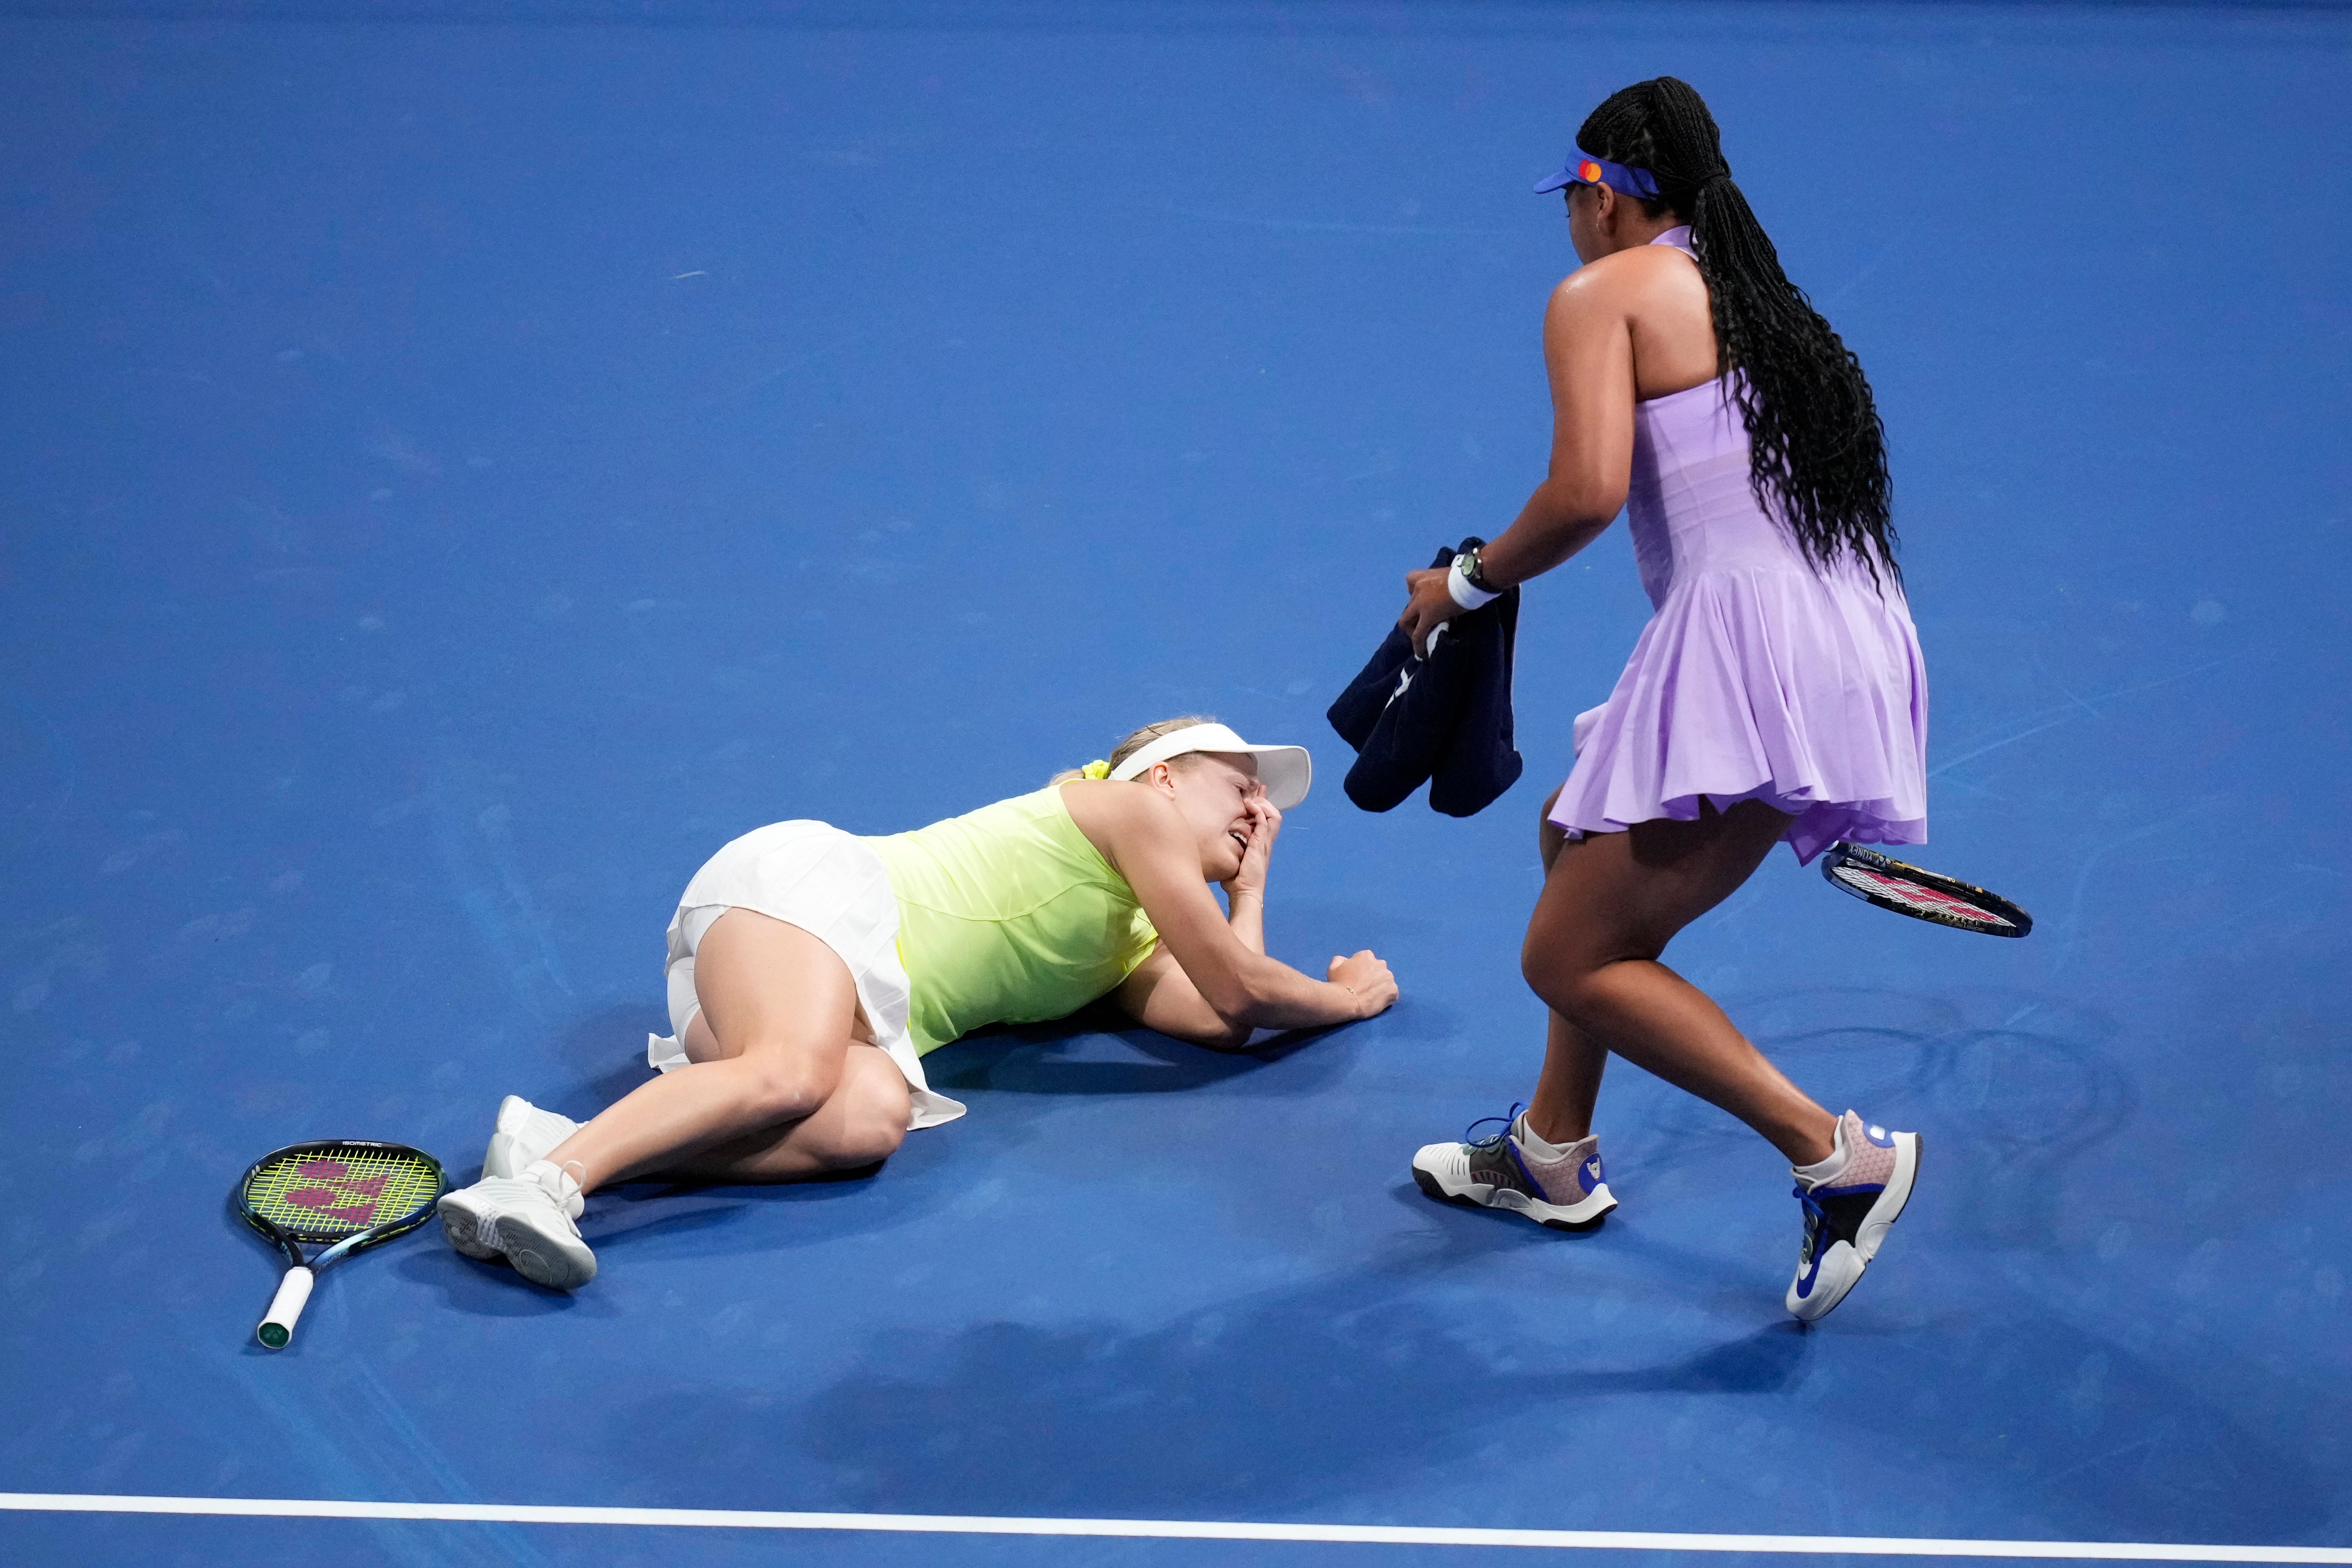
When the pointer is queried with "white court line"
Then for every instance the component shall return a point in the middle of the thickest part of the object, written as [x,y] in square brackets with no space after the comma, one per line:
[1168,1529]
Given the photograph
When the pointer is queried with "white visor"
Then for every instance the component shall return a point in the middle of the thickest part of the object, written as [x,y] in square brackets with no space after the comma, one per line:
[1286,771]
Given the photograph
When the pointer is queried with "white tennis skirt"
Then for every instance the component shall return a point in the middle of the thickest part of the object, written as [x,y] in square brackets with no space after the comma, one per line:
[832,886]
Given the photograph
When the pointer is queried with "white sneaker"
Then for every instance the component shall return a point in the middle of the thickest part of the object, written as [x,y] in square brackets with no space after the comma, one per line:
[1565,1192]
[526,1219]
[1848,1213]
[524,1135]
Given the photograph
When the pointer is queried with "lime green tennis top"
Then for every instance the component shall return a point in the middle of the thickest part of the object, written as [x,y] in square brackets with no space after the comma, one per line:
[1008,915]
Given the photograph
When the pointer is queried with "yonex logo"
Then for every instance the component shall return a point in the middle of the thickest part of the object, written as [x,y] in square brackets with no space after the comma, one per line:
[340,1196]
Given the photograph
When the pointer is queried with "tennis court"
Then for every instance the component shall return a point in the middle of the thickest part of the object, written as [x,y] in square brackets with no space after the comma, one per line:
[463,461]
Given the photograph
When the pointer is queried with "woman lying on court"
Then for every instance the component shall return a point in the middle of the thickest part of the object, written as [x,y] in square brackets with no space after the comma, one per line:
[1776,693]
[799,947]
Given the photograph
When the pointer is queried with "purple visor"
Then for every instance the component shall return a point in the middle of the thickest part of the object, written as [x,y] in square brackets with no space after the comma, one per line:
[1584,169]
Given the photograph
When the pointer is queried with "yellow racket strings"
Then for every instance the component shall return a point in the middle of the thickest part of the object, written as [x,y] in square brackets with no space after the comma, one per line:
[324,1194]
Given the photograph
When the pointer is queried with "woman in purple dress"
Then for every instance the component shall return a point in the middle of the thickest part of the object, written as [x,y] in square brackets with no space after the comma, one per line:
[1778,693]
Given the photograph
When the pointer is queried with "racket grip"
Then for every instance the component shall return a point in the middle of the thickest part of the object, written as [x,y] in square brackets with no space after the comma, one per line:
[293,1293]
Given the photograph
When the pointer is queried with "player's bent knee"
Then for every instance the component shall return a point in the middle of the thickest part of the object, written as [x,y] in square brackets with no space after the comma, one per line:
[1564,982]
[1545,977]
[780,1092]
[866,1134]
[870,1141]
[866,1119]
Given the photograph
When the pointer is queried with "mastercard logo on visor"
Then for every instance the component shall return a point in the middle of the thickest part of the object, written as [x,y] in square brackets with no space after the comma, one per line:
[1589,172]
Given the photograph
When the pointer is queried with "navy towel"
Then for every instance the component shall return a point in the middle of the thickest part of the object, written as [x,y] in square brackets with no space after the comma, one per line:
[1447,717]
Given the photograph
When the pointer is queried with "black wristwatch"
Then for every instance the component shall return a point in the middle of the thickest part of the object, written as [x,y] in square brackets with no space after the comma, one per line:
[1473,570]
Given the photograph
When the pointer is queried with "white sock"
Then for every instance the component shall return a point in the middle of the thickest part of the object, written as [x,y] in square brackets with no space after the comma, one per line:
[1546,1153]
[1827,1168]
[526,1122]
[557,1183]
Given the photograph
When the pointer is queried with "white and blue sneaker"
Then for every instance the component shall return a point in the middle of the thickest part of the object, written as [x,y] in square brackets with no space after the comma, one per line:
[524,1135]
[1849,1207]
[1565,1190]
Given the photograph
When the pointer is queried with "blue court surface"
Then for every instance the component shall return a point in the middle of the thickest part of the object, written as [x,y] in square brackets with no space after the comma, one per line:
[464,461]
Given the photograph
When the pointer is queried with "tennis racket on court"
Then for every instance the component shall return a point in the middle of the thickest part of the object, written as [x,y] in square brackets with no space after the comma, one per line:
[1923,895]
[345,1195]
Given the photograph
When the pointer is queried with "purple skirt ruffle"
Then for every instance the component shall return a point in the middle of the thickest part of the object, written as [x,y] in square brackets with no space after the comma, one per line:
[1804,691]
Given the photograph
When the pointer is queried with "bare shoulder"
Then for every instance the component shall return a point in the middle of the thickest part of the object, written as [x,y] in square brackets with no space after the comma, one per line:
[1593,305]
[1120,818]
[1651,300]
[1620,283]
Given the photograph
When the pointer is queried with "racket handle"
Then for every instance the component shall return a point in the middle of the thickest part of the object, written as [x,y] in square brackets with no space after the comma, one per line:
[293,1293]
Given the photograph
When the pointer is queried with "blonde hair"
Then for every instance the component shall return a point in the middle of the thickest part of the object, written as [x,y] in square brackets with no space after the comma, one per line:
[1140,739]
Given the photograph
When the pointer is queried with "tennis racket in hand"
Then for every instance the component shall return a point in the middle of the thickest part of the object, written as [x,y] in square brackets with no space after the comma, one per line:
[343,1195]
[1923,895]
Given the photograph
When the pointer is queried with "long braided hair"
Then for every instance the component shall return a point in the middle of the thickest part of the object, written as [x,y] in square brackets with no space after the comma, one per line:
[1817,447]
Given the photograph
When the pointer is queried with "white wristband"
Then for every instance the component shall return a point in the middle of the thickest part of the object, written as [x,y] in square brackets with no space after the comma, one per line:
[1468,598]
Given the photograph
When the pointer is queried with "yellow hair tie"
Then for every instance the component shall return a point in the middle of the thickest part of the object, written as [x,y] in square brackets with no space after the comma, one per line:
[1095,770]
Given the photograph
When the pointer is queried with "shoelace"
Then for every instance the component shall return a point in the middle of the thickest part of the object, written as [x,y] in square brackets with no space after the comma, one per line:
[1816,1217]
[1503,1140]
[1509,1121]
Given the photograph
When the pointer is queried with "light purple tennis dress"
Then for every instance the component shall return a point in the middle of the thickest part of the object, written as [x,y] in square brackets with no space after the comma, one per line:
[1758,678]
